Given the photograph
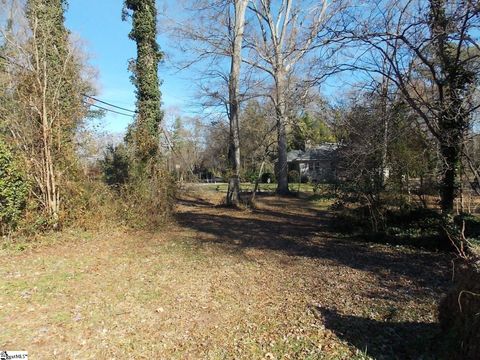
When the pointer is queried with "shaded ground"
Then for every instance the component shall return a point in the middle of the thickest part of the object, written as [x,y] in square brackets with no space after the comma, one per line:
[223,284]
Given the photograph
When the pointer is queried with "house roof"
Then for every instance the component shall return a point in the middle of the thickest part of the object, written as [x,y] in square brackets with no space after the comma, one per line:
[318,153]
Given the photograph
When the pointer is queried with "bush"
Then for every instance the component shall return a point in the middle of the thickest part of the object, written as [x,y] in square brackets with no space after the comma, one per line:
[145,191]
[459,313]
[147,202]
[14,190]
[412,226]
[249,176]
[472,225]
[90,204]
[266,176]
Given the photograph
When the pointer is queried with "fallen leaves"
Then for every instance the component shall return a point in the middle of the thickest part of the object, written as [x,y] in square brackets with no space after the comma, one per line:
[200,290]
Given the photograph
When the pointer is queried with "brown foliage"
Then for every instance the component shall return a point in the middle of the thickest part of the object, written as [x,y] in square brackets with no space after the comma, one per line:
[459,312]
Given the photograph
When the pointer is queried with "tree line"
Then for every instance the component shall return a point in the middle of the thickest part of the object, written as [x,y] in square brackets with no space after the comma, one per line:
[420,56]
[412,68]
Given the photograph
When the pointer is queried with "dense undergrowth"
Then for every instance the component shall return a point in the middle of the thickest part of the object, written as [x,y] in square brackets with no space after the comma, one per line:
[90,204]
[459,312]
[408,225]
[397,222]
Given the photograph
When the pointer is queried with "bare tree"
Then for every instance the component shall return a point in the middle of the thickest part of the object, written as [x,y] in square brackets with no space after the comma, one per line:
[240,7]
[279,38]
[432,52]
[214,38]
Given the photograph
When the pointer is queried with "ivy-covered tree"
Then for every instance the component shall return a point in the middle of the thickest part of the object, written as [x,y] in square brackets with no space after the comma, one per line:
[144,134]
[48,94]
[13,189]
[456,77]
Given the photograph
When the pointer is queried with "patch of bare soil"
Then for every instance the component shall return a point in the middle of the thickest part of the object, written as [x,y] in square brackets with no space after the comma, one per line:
[269,283]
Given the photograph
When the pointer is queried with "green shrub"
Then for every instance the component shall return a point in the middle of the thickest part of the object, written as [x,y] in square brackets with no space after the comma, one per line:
[412,226]
[472,225]
[13,190]
[248,176]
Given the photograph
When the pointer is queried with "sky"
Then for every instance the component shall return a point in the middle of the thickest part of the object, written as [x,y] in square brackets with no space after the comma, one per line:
[105,36]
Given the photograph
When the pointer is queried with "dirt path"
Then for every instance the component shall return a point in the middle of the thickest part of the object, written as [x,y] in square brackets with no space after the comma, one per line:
[222,284]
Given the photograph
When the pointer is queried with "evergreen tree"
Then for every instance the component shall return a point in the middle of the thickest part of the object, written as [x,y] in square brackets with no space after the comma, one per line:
[310,130]
[145,132]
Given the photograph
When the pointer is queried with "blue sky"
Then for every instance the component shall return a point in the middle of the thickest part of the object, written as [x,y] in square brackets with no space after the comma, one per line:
[100,26]
[98,23]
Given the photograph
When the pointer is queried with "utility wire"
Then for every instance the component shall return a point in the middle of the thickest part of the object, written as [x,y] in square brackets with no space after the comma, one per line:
[109,104]
[103,108]
[85,95]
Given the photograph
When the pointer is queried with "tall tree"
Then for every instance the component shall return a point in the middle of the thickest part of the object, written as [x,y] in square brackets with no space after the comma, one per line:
[431,49]
[285,34]
[214,36]
[47,90]
[240,7]
[454,86]
[145,131]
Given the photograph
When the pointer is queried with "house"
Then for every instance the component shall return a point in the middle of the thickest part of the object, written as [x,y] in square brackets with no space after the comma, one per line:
[315,164]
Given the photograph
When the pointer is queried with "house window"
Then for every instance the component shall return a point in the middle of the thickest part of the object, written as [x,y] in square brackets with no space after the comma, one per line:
[317,166]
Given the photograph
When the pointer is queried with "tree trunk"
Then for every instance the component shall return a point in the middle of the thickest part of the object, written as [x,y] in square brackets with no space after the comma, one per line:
[282,165]
[449,187]
[51,196]
[281,110]
[257,181]
[386,116]
[234,102]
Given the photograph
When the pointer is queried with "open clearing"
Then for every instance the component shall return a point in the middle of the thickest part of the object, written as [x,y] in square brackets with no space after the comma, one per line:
[222,284]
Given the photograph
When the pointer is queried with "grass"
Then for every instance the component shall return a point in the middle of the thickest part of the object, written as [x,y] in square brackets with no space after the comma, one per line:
[273,283]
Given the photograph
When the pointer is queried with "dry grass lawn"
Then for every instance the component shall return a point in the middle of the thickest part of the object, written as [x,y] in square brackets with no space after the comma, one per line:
[273,283]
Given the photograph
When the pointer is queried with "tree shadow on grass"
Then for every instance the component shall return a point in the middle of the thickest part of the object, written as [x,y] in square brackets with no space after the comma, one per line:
[195,202]
[383,340]
[308,235]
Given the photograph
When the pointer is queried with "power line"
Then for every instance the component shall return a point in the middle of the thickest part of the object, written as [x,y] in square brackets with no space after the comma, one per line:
[109,104]
[103,108]
[85,95]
